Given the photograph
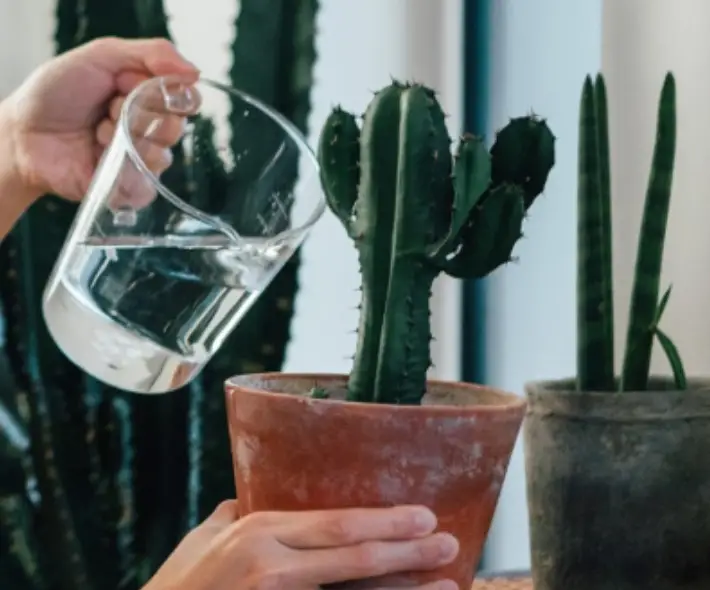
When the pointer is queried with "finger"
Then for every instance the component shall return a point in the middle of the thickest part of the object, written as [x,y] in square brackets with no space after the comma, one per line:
[155,156]
[376,559]
[153,57]
[165,130]
[162,128]
[169,97]
[105,131]
[335,528]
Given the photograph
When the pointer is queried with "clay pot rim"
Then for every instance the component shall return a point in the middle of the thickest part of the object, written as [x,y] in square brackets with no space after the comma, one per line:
[559,398]
[566,386]
[506,401]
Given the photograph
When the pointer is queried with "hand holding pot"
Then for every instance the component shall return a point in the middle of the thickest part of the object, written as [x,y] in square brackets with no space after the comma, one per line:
[307,550]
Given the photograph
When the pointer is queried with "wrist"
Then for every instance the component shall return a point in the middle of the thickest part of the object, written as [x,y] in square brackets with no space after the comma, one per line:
[15,191]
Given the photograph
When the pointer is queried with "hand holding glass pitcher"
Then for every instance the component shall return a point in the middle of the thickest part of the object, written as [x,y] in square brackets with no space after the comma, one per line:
[200,197]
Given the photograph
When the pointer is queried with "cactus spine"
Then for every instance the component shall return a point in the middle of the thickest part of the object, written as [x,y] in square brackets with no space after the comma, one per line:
[108,482]
[414,212]
[595,311]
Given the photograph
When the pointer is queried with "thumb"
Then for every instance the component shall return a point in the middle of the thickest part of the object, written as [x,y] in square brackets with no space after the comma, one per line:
[224,515]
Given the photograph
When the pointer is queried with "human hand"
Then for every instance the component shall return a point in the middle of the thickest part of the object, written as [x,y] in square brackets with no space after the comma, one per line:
[350,549]
[64,115]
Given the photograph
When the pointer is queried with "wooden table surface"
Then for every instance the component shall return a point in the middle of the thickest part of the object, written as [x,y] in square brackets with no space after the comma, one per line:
[513,581]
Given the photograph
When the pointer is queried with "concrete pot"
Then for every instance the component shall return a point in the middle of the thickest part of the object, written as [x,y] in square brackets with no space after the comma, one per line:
[619,487]
[451,454]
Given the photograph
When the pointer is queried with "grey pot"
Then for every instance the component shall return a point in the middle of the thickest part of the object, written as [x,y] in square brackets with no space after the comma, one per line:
[618,487]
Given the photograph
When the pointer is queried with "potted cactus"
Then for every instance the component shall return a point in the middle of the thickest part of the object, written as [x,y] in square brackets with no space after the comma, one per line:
[618,483]
[385,435]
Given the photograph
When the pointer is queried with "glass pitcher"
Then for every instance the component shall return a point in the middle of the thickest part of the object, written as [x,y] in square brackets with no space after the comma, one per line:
[200,199]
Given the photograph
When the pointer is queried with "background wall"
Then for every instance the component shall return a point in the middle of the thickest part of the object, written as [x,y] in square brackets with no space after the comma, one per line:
[350,67]
[637,53]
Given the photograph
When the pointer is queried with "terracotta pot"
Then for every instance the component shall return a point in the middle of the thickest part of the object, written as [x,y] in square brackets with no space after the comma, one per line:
[451,454]
[618,487]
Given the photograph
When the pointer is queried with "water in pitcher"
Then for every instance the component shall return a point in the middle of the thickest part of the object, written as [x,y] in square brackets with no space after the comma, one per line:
[144,314]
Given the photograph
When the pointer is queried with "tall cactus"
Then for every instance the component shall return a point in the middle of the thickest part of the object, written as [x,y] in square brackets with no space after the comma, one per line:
[647,275]
[273,58]
[595,359]
[109,482]
[595,311]
[413,212]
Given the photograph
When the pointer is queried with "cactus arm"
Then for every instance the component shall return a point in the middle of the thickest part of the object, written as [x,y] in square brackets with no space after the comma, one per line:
[524,154]
[339,157]
[471,179]
[404,358]
[493,231]
[644,296]
[594,371]
[600,97]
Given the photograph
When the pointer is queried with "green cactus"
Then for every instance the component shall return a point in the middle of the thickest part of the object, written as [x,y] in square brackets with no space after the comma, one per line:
[414,212]
[109,482]
[595,308]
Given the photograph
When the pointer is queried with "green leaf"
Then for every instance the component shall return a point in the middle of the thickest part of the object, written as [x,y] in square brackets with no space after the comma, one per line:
[671,351]
[662,306]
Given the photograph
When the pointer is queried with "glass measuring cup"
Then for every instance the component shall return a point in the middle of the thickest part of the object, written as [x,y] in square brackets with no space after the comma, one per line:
[200,199]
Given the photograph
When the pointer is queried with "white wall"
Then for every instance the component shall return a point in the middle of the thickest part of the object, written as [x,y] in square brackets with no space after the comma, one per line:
[25,39]
[541,52]
[643,39]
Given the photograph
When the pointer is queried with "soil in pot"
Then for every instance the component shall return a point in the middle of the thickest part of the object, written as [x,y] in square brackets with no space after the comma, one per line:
[292,452]
[619,487]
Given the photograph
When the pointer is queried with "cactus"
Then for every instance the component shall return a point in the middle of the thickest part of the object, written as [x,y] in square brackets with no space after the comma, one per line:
[97,486]
[413,212]
[595,310]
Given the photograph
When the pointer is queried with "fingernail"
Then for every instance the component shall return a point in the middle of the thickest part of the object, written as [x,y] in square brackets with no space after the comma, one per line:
[446,585]
[448,547]
[423,520]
